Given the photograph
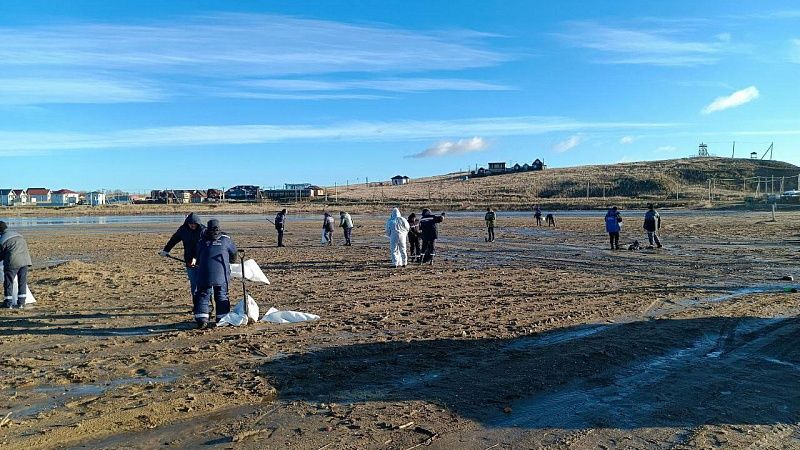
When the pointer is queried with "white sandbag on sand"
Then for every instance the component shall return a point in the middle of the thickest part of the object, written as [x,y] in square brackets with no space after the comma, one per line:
[275,316]
[15,290]
[252,271]
[236,316]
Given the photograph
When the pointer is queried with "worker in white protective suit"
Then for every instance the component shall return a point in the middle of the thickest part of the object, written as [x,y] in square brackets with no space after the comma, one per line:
[397,230]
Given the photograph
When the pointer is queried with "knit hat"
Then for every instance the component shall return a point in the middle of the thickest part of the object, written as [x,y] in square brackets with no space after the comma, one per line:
[213,224]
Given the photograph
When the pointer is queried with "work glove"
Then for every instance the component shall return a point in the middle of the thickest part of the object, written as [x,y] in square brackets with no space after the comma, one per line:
[163,253]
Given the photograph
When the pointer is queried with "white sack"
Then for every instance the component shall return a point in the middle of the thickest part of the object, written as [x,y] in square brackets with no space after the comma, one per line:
[15,290]
[236,316]
[322,240]
[275,316]
[252,271]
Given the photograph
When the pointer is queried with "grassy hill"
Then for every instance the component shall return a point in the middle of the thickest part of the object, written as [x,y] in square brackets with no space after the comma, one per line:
[730,180]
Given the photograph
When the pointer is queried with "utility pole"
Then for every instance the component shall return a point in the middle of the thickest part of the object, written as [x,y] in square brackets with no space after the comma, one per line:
[587,190]
[733,152]
[709,190]
[335,192]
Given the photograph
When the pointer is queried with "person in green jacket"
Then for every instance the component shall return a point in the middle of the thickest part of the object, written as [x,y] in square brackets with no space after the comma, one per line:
[490,217]
[346,223]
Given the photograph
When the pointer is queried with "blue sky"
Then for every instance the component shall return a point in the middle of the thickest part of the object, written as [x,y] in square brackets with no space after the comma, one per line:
[152,94]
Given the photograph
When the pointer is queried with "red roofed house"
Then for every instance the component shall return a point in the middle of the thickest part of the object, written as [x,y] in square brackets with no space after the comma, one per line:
[39,195]
[64,197]
[20,196]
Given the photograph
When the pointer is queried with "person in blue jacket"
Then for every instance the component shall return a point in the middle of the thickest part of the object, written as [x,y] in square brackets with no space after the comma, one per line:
[189,234]
[214,253]
[613,226]
[430,232]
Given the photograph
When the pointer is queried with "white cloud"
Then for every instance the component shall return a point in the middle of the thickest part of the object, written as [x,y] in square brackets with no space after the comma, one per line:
[24,142]
[656,46]
[568,144]
[218,50]
[723,37]
[625,140]
[30,91]
[448,148]
[391,84]
[738,98]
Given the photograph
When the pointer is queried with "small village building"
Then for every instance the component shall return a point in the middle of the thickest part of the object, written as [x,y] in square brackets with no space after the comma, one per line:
[516,168]
[537,164]
[243,192]
[7,197]
[65,197]
[316,191]
[95,198]
[497,167]
[214,195]
[20,197]
[296,186]
[39,195]
[198,197]
[399,180]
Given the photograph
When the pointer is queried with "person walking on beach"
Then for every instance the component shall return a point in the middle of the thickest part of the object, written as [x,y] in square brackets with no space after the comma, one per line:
[652,223]
[16,261]
[613,221]
[346,223]
[414,236]
[189,235]
[280,226]
[537,214]
[490,217]
[397,229]
[327,229]
[214,254]
[430,232]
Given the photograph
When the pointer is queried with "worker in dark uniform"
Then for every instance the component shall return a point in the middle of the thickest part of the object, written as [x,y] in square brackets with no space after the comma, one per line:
[16,261]
[214,253]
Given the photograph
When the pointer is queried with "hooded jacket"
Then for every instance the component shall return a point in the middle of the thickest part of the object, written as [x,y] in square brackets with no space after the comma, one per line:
[490,217]
[214,254]
[613,221]
[14,250]
[188,237]
[413,226]
[397,224]
[327,223]
[345,221]
[280,221]
[428,225]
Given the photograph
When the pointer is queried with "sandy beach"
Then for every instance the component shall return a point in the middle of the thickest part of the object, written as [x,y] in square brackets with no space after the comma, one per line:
[541,339]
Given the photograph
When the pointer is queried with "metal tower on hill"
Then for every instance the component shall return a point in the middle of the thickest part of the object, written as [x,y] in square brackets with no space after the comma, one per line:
[702,150]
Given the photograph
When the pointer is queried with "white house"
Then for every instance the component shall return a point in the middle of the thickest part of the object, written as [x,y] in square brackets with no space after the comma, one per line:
[399,180]
[64,197]
[96,198]
[20,197]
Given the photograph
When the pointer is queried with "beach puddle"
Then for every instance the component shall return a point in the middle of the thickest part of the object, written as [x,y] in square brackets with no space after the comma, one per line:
[41,399]
[554,337]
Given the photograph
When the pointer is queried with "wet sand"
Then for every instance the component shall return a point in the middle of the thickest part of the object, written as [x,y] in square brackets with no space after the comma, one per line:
[541,339]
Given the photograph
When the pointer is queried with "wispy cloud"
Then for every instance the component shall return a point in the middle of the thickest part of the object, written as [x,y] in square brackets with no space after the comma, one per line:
[220,49]
[663,46]
[31,91]
[392,85]
[738,98]
[625,140]
[18,142]
[568,144]
[448,148]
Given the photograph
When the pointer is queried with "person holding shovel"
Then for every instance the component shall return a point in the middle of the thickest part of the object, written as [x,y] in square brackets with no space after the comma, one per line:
[430,232]
[214,254]
[346,223]
[16,261]
[490,217]
[280,226]
[189,234]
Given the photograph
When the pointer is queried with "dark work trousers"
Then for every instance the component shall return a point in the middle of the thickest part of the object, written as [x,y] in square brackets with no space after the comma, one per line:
[653,236]
[428,251]
[280,238]
[413,243]
[203,297]
[491,234]
[347,232]
[8,285]
[614,239]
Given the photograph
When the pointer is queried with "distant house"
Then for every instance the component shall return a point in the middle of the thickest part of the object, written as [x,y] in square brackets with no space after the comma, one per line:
[516,168]
[316,191]
[497,167]
[198,197]
[64,197]
[526,167]
[39,195]
[296,186]
[538,164]
[481,172]
[242,192]
[95,198]
[399,180]
[20,197]
[214,195]
[7,197]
